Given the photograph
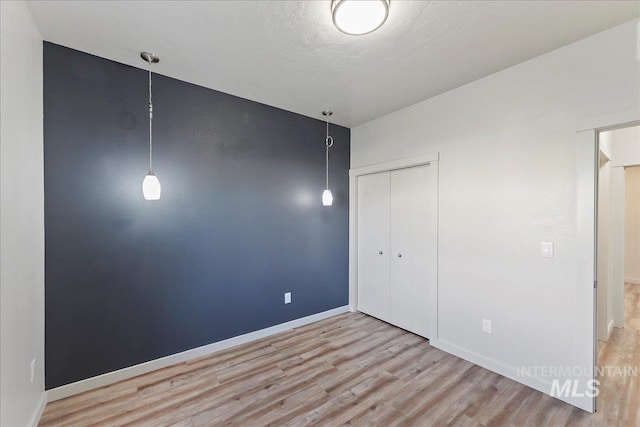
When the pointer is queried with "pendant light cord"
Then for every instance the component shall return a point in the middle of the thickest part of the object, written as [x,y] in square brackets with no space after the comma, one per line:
[150,126]
[328,143]
[327,175]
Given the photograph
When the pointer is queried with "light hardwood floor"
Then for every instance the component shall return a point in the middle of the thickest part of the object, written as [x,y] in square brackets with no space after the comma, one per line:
[351,369]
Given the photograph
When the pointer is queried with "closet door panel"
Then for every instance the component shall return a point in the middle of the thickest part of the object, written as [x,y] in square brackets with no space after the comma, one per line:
[413,210]
[373,245]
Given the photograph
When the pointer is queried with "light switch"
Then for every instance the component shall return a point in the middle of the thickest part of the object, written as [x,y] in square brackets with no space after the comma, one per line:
[546,250]
[487,326]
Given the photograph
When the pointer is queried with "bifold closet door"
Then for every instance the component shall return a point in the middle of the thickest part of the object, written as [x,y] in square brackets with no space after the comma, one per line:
[373,245]
[413,270]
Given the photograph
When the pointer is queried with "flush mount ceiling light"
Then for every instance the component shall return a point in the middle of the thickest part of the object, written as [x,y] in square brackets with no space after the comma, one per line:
[151,185]
[327,197]
[357,17]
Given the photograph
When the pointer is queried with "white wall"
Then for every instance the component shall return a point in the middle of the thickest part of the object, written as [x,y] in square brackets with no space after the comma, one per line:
[507,147]
[605,312]
[616,245]
[625,145]
[22,218]
[632,225]
[606,141]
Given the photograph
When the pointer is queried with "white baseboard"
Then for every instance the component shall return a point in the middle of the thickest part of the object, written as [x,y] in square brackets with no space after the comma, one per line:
[632,280]
[132,371]
[510,372]
[37,412]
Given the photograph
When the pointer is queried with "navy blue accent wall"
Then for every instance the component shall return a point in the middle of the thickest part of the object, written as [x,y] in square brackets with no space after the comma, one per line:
[239,223]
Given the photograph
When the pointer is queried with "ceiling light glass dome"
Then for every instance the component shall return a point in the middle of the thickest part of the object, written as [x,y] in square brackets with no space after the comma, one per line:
[357,17]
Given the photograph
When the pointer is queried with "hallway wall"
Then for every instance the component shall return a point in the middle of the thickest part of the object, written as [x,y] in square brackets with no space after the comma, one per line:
[22,219]
[632,226]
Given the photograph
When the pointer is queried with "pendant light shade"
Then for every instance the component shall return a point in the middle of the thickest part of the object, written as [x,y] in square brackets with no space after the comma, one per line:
[358,17]
[327,197]
[151,187]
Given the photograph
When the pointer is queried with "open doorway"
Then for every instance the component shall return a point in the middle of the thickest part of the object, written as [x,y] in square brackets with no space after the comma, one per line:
[618,225]
[631,306]
[618,268]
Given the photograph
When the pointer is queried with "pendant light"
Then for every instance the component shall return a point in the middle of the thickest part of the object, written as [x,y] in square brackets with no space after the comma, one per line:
[358,17]
[327,197]
[151,185]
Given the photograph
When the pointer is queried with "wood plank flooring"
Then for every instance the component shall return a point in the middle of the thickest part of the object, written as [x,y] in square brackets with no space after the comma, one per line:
[350,369]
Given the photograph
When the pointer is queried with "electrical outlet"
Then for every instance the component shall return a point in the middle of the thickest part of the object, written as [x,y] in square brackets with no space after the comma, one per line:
[33,370]
[546,249]
[287,297]
[487,326]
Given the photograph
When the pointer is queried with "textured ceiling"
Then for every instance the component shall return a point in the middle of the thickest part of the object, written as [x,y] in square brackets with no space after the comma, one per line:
[288,53]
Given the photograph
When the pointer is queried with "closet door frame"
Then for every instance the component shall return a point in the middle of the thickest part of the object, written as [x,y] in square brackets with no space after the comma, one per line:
[354,173]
